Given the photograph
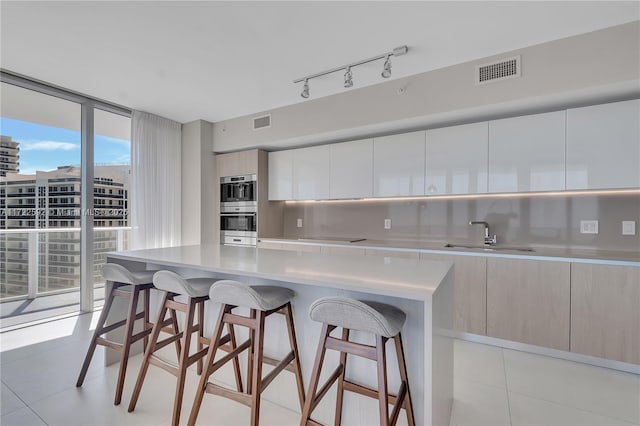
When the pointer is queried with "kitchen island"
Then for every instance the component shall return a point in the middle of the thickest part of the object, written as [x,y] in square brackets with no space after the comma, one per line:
[423,289]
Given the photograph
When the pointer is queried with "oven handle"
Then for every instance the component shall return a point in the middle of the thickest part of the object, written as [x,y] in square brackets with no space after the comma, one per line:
[238,213]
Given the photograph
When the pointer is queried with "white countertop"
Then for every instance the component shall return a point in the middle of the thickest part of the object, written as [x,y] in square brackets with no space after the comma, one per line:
[406,278]
[558,254]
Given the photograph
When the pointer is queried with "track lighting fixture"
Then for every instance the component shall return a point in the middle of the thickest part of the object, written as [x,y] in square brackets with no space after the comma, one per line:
[348,78]
[386,72]
[348,75]
[305,89]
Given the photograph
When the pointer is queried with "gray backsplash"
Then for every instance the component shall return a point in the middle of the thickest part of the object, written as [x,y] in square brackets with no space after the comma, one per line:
[518,220]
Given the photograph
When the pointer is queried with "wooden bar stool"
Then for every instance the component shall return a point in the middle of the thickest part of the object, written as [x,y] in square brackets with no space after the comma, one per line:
[197,292]
[262,301]
[385,322]
[127,284]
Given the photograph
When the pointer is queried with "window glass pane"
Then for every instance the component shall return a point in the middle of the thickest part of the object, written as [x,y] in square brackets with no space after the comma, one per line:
[40,201]
[112,172]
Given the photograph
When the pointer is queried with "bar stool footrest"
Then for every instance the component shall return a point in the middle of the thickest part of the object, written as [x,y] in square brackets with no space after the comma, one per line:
[242,398]
[109,344]
[166,366]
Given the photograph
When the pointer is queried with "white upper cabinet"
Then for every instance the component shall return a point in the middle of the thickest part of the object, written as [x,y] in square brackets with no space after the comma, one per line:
[527,153]
[311,173]
[603,146]
[281,175]
[399,165]
[351,172]
[457,160]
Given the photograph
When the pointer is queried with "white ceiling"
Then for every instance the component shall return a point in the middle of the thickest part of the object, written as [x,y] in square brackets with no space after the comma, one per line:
[218,60]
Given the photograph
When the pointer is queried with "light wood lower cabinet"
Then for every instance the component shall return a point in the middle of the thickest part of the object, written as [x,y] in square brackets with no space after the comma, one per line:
[470,291]
[528,301]
[605,311]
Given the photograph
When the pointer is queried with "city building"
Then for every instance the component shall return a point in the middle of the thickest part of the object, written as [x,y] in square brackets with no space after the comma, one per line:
[9,155]
[46,207]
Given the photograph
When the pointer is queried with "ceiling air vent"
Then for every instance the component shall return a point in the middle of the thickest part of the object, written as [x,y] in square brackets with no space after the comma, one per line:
[503,69]
[262,122]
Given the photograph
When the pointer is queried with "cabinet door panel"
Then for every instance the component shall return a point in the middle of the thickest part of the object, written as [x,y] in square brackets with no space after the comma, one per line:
[528,301]
[281,175]
[527,153]
[351,169]
[605,311]
[470,291]
[398,165]
[237,163]
[603,146]
[310,173]
[456,160]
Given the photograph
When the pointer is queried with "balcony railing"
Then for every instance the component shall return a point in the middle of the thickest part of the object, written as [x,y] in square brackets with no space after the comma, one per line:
[38,262]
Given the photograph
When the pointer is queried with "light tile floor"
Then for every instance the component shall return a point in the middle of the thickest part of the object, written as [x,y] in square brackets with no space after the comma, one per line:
[493,386]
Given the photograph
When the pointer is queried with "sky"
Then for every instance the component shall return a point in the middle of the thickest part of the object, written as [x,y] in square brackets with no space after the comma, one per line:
[45,147]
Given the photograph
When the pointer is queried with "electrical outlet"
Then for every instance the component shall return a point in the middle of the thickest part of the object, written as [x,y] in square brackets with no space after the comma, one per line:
[588,226]
[387,224]
[299,223]
[628,227]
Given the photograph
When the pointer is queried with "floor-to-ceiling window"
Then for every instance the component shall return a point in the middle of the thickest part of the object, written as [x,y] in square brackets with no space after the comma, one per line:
[112,177]
[56,154]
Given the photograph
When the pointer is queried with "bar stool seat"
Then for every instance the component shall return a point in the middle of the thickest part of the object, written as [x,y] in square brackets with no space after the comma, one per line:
[197,292]
[382,320]
[263,298]
[192,287]
[377,318]
[127,284]
[118,273]
[262,302]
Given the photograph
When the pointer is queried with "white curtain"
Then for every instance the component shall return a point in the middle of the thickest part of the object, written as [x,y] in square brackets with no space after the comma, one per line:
[155,181]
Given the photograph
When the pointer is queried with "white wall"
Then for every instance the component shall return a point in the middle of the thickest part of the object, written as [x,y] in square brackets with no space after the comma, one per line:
[589,68]
[198,204]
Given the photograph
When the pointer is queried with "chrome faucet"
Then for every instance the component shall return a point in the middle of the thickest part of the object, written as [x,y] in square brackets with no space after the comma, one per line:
[488,240]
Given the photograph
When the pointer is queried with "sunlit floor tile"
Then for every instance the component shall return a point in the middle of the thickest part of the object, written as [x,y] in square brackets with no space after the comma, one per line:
[478,404]
[527,411]
[479,363]
[609,393]
[10,401]
[21,417]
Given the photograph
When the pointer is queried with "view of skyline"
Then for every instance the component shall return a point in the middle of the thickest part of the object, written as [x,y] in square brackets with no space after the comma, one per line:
[45,147]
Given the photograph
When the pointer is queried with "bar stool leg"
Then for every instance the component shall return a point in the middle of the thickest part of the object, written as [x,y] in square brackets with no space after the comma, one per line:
[294,347]
[97,333]
[157,327]
[211,355]
[199,344]
[250,352]
[236,361]
[315,374]
[183,361]
[126,345]
[340,394]
[382,380]
[176,329]
[257,370]
[403,377]
[147,310]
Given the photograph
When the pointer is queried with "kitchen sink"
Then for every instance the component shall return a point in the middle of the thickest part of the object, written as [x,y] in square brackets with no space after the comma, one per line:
[489,248]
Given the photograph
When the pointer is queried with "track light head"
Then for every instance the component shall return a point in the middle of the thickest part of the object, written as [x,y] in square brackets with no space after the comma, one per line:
[305,89]
[348,78]
[386,72]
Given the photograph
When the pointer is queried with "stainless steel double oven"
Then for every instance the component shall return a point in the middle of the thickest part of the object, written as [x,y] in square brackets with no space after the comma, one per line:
[238,210]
